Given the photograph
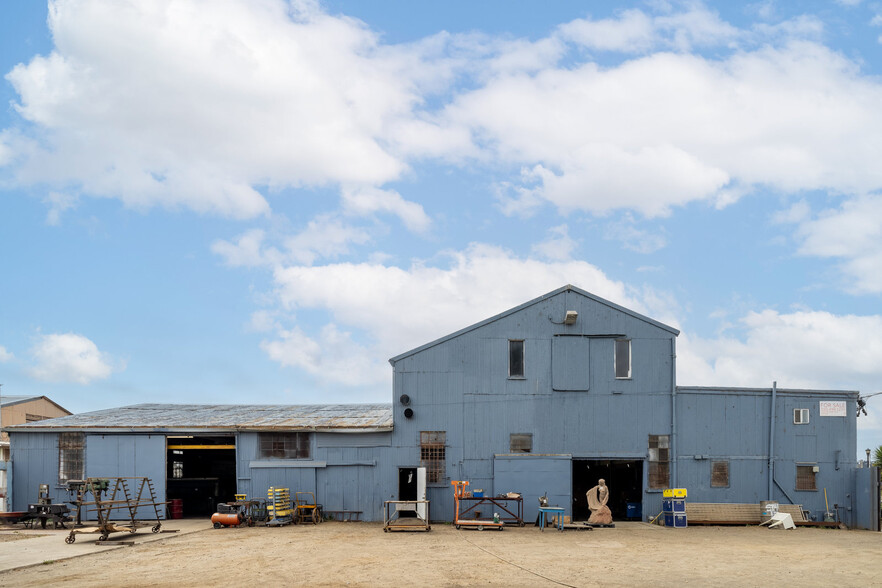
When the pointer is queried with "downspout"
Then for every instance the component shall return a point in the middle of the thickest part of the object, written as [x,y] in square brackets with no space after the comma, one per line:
[772,440]
[674,413]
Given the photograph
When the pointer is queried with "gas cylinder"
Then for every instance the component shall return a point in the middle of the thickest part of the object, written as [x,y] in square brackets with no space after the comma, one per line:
[226,520]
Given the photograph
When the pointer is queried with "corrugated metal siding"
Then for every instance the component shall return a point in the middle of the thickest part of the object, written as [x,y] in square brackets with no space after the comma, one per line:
[34,462]
[475,402]
[129,456]
[534,476]
[734,425]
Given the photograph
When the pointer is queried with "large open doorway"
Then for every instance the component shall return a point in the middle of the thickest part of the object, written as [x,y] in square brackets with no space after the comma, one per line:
[201,471]
[623,477]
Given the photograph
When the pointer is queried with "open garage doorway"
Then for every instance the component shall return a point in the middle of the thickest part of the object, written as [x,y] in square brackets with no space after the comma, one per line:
[625,481]
[201,471]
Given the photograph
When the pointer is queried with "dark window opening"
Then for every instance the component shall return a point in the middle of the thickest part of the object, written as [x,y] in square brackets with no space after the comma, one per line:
[284,445]
[659,461]
[71,456]
[805,477]
[623,358]
[719,474]
[433,455]
[520,442]
[515,359]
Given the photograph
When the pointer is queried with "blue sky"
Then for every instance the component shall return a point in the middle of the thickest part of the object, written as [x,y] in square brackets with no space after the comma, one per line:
[236,201]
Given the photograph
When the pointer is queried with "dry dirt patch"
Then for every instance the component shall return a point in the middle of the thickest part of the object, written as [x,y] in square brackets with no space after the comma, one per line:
[360,554]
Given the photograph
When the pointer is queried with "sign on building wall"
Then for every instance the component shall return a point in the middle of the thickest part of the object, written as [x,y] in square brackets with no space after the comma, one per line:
[833,408]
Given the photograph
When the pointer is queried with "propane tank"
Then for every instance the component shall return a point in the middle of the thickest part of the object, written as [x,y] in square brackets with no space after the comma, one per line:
[226,520]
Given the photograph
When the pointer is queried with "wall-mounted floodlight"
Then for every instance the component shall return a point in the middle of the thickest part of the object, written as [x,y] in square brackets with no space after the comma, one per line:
[571,317]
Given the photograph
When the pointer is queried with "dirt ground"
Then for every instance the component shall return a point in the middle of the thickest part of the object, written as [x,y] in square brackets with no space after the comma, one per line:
[361,554]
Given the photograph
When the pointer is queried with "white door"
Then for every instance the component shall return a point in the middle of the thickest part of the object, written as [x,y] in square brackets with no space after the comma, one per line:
[421,492]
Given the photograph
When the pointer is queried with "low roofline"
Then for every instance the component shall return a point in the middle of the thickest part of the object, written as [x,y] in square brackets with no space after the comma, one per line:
[568,287]
[737,390]
[190,430]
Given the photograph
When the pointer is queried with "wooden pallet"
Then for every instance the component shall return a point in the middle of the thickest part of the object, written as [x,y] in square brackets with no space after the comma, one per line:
[715,513]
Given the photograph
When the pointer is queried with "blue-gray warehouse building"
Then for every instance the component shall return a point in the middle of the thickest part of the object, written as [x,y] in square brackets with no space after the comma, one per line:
[543,399]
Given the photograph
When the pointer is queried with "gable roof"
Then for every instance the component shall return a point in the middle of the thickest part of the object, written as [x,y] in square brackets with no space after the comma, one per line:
[568,287]
[13,400]
[338,418]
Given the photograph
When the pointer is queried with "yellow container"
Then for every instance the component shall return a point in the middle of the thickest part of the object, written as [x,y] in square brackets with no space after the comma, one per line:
[674,493]
[241,496]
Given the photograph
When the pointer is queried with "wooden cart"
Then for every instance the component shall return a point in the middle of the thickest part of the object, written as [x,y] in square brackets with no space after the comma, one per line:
[305,509]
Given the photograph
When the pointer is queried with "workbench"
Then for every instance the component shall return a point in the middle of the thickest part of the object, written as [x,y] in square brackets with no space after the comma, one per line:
[507,514]
[554,510]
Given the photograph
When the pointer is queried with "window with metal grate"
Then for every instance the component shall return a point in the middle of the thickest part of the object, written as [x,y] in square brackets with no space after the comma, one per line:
[433,455]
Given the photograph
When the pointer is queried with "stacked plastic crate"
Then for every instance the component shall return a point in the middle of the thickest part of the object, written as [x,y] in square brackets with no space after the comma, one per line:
[674,507]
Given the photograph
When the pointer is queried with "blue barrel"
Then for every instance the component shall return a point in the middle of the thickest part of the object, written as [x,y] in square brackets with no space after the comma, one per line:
[635,510]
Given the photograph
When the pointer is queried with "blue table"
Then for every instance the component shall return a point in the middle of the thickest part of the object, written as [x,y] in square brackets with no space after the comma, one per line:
[558,510]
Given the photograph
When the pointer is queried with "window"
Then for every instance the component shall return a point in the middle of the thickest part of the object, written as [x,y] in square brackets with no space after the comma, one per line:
[284,445]
[659,461]
[433,455]
[520,442]
[805,477]
[800,416]
[719,474]
[623,358]
[515,359]
[71,456]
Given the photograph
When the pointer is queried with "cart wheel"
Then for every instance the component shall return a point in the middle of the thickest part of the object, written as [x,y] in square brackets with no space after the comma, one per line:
[480,527]
[156,528]
[385,530]
[103,538]
[500,527]
[316,519]
[217,525]
[457,527]
[522,523]
[429,528]
[70,538]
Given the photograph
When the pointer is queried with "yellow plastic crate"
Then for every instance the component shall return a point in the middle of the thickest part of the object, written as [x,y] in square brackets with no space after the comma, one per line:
[674,493]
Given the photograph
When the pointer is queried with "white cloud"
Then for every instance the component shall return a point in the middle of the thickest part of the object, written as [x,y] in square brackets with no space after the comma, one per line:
[195,103]
[70,358]
[58,202]
[324,237]
[5,355]
[851,233]
[363,200]
[333,357]
[558,247]
[811,349]
[632,238]
[378,311]
[667,129]
[247,251]
[634,31]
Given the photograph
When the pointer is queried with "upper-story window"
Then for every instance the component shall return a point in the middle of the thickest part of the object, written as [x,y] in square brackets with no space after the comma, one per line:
[623,358]
[516,358]
[800,416]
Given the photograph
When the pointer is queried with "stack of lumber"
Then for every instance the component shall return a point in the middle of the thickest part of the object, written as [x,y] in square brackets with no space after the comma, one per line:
[714,513]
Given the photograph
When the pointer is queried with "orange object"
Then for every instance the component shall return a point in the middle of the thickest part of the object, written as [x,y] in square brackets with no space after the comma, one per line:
[226,520]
